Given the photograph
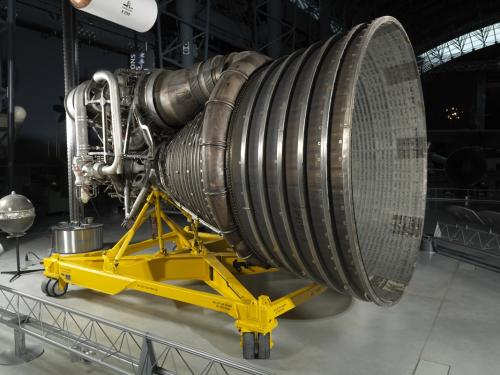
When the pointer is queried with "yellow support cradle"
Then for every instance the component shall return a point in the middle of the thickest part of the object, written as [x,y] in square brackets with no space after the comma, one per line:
[197,256]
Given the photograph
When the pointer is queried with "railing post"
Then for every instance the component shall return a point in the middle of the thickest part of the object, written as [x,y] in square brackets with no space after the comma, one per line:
[147,361]
[21,353]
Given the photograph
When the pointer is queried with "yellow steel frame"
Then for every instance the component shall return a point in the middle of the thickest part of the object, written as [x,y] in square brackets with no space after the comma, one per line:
[197,256]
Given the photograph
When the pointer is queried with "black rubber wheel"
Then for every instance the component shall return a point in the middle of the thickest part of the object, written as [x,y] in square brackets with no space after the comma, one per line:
[45,286]
[50,285]
[248,345]
[264,346]
[55,291]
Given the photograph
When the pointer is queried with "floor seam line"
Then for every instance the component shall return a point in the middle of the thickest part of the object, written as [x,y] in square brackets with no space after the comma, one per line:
[436,316]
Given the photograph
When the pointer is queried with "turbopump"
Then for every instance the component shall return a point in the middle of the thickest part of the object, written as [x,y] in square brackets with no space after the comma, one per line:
[314,163]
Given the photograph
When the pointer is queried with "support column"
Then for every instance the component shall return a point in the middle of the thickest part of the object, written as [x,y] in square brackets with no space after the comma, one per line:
[21,353]
[11,27]
[207,28]
[325,18]
[159,40]
[480,115]
[147,361]
[70,55]
[275,15]
[185,10]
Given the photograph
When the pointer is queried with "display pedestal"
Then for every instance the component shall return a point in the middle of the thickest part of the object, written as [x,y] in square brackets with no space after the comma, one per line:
[18,272]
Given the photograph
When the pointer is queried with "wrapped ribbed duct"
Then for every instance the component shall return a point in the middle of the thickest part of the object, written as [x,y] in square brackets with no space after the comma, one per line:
[314,163]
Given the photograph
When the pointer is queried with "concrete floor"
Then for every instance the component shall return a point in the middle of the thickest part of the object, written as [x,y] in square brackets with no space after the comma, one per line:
[447,323]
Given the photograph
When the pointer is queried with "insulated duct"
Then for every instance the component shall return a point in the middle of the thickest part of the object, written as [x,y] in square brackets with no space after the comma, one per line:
[314,163]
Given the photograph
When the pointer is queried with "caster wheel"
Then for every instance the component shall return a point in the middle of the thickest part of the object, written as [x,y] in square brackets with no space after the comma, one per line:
[54,290]
[45,286]
[248,345]
[264,346]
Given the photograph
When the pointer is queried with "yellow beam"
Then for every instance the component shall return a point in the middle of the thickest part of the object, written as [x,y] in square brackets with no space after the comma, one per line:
[118,250]
[112,283]
[224,281]
[159,223]
[199,256]
[182,238]
[296,298]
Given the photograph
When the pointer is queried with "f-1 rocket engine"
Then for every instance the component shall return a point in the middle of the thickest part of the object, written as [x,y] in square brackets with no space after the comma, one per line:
[314,163]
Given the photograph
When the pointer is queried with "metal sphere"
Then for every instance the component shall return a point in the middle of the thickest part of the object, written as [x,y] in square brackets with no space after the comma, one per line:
[17,214]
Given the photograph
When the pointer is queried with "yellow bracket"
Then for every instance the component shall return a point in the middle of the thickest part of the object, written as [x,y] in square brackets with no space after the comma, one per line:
[197,256]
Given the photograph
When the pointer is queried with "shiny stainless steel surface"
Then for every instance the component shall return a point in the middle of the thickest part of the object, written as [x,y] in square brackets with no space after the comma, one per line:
[172,98]
[17,214]
[80,116]
[116,166]
[74,239]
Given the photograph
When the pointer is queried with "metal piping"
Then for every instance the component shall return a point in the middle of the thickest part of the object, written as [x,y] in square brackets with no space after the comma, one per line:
[173,98]
[77,118]
[80,121]
[141,197]
[218,111]
[116,166]
[126,197]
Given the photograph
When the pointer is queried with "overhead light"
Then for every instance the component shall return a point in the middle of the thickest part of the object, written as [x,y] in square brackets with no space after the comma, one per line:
[454,113]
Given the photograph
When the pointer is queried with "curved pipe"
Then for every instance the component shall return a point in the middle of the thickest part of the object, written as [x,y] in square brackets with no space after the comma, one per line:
[77,115]
[116,166]
[218,111]
[172,98]
[80,120]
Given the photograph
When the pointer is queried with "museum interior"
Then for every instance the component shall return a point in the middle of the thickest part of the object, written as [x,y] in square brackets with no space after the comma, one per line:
[249,187]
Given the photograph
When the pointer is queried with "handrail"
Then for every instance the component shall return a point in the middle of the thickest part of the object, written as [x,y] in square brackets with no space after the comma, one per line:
[112,345]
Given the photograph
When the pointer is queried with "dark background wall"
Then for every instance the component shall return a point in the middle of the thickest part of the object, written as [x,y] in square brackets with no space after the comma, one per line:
[238,25]
[41,141]
[40,86]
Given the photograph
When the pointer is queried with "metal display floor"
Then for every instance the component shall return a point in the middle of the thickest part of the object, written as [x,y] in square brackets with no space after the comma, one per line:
[447,323]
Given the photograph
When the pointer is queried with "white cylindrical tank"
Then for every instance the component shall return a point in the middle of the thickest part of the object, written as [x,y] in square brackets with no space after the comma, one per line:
[138,15]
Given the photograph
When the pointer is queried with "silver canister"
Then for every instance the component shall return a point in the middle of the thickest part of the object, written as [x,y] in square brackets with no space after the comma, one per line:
[74,239]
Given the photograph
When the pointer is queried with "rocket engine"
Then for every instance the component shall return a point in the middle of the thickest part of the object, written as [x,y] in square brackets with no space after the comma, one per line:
[314,163]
